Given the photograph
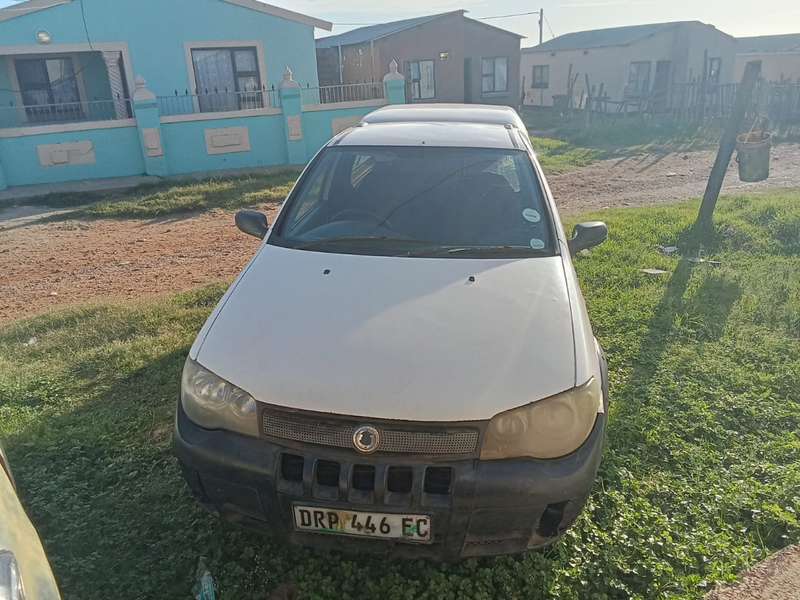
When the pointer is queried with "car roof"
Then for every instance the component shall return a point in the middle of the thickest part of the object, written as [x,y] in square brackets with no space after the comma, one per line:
[432,134]
[446,113]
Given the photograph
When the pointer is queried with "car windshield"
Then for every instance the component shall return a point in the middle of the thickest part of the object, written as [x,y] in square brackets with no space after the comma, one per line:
[418,201]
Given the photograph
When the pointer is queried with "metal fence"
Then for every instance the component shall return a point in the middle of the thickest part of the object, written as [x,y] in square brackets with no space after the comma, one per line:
[350,92]
[209,101]
[27,115]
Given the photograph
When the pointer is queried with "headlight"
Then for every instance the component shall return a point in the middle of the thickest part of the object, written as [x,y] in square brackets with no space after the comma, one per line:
[213,403]
[10,579]
[549,428]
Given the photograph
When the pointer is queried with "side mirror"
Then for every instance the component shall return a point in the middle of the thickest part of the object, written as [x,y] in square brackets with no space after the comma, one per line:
[587,235]
[252,223]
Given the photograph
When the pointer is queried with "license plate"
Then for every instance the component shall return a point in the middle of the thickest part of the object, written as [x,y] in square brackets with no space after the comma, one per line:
[409,528]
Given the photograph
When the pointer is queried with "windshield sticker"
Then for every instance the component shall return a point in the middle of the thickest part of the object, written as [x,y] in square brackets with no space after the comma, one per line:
[537,244]
[531,215]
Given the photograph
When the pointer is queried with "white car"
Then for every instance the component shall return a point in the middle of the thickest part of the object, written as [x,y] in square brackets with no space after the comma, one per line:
[406,365]
[25,573]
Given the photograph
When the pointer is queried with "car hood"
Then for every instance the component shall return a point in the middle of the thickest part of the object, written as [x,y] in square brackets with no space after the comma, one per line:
[394,337]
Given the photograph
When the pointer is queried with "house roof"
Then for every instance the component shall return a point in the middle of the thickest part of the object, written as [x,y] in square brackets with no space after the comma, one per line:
[599,38]
[29,6]
[376,32]
[768,44]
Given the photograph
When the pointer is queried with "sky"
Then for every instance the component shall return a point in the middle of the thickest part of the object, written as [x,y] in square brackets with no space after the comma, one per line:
[739,18]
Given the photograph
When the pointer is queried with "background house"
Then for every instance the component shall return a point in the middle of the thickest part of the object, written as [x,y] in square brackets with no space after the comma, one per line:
[779,56]
[217,92]
[628,61]
[445,58]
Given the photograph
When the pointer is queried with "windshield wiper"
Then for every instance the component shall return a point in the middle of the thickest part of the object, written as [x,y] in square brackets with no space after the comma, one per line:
[350,238]
[477,250]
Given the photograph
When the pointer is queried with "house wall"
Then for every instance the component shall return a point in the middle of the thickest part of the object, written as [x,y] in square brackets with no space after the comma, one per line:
[361,63]
[683,46]
[426,42]
[489,42]
[155,32]
[116,154]
[774,67]
[185,144]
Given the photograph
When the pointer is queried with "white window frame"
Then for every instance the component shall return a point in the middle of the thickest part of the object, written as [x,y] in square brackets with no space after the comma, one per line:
[60,50]
[411,78]
[649,79]
[545,82]
[494,60]
[226,44]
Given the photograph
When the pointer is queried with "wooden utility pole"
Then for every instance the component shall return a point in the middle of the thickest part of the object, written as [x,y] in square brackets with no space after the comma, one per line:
[541,26]
[728,143]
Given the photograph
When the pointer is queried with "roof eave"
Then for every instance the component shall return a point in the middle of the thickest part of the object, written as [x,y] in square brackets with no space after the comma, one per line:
[283,13]
[30,6]
[25,8]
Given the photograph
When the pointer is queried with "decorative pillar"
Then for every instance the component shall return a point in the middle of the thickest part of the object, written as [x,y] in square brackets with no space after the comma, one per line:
[395,85]
[115,79]
[292,107]
[148,120]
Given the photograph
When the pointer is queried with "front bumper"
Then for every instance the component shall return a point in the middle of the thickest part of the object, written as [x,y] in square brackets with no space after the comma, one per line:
[478,507]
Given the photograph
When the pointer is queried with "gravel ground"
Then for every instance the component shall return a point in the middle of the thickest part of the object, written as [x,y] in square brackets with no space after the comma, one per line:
[658,178]
[46,265]
[777,578]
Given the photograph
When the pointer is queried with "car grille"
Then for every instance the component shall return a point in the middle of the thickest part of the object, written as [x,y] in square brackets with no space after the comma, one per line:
[364,483]
[298,429]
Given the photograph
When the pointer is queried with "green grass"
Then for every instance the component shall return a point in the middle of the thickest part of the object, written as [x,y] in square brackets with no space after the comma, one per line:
[557,156]
[621,136]
[700,478]
[170,198]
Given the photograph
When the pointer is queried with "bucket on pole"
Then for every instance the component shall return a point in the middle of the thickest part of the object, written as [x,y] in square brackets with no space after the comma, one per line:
[753,155]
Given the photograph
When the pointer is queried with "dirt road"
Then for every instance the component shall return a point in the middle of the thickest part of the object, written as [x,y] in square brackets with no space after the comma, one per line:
[777,578]
[658,178]
[46,265]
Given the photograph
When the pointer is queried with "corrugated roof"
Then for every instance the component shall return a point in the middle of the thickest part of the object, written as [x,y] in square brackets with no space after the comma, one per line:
[768,44]
[598,38]
[376,32]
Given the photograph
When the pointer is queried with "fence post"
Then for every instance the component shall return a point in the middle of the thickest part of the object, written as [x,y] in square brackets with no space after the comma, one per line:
[395,85]
[145,107]
[292,107]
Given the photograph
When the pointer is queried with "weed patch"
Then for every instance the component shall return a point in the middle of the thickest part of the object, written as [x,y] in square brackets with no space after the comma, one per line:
[700,477]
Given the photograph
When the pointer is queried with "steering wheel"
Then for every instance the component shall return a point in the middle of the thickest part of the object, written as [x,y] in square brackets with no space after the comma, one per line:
[380,222]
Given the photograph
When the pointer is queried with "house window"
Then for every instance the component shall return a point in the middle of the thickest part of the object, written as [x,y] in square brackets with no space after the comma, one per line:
[423,80]
[541,77]
[714,67]
[49,90]
[639,78]
[227,78]
[494,74]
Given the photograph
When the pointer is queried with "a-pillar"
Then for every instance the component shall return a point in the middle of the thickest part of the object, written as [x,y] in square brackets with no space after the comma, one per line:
[292,107]
[148,120]
[395,85]
[112,59]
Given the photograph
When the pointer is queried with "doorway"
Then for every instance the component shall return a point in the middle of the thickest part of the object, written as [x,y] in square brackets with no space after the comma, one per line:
[661,84]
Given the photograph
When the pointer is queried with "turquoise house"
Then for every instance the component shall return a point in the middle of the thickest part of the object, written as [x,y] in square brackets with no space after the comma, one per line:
[109,88]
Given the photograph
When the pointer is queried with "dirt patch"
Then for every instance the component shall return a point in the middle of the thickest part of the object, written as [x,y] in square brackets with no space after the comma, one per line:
[48,265]
[658,178]
[777,578]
